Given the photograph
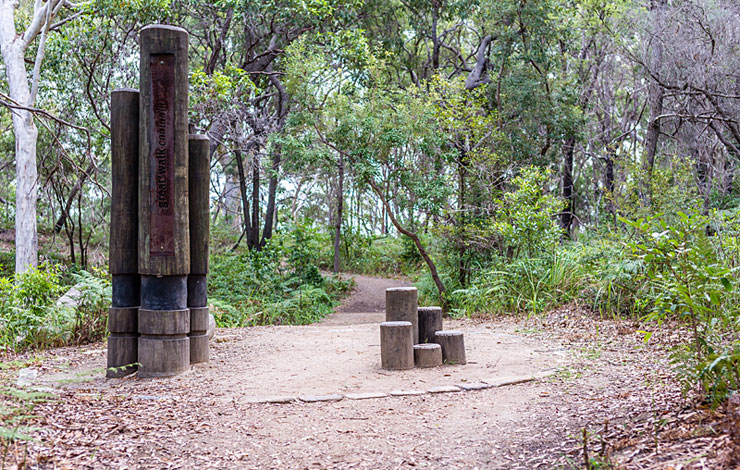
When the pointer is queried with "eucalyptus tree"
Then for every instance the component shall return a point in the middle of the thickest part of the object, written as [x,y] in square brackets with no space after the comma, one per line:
[239,49]
[37,22]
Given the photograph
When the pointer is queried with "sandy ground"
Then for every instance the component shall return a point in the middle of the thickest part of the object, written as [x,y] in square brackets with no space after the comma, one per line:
[215,416]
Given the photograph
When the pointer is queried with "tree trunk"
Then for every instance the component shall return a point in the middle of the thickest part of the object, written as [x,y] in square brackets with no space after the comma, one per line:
[26,136]
[340,209]
[271,212]
[243,190]
[419,246]
[253,237]
[609,183]
[655,96]
[566,217]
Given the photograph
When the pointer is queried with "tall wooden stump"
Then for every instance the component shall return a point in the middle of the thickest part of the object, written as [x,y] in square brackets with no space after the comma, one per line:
[124,232]
[396,345]
[453,346]
[430,322]
[164,242]
[400,305]
[199,187]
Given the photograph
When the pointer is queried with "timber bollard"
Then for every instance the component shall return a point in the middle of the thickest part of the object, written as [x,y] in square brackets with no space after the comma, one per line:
[427,355]
[453,346]
[401,305]
[430,322]
[164,242]
[124,232]
[396,347]
[199,187]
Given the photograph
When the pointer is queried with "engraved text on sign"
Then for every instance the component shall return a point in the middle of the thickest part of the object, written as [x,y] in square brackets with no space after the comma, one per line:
[162,155]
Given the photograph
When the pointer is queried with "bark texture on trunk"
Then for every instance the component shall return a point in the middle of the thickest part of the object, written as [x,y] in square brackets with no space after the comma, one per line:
[340,210]
[566,217]
[26,135]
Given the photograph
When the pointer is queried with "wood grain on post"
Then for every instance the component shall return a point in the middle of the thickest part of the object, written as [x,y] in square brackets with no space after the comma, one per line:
[427,355]
[198,334]
[430,322]
[199,185]
[164,243]
[401,305]
[199,180]
[453,346]
[396,345]
[124,227]
[124,232]
[164,347]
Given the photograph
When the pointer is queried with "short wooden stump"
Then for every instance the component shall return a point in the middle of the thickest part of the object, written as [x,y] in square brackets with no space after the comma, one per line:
[396,345]
[453,346]
[428,355]
[430,322]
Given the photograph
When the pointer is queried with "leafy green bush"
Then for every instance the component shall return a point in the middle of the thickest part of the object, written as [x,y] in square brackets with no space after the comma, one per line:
[30,316]
[525,219]
[279,285]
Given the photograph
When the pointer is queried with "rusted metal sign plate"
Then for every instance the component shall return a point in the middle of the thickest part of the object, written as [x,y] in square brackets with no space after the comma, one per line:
[162,155]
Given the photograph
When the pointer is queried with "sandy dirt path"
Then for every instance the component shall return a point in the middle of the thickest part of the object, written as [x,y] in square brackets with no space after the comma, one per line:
[217,415]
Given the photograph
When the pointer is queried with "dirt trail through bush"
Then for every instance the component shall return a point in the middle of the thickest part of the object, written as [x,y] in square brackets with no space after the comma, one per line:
[219,415]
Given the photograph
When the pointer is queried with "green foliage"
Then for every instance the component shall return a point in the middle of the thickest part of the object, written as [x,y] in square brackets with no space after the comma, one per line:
[281,284]
[30,316]
[528,285]
[717,372]
[373,255]
[525,219]
[688,279]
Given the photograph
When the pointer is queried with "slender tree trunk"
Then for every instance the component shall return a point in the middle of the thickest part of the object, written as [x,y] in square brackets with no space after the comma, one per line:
[243,190]
[26,136]
[461,218]
[270,211]
[340,209]
[655,96]
[59,224]
[566,217]
[254,236]
[415,238]
[609,183]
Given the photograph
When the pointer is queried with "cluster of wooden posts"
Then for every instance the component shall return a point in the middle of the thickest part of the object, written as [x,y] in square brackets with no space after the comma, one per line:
[159,317]
[413,336]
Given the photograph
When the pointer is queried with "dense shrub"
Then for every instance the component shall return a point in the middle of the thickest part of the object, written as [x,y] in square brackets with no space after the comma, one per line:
[30,316]
[281,284]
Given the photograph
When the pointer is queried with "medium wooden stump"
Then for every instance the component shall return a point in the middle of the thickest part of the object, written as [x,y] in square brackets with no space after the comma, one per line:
[453,346]
[396,345]
[428,355]
[400,305]
[430,322]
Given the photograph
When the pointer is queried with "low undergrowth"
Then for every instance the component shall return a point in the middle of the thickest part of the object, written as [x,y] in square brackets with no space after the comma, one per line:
[658,270]
[33,317]
[278,285]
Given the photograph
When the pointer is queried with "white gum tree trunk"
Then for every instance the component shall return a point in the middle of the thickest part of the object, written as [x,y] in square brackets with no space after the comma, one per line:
[13,46]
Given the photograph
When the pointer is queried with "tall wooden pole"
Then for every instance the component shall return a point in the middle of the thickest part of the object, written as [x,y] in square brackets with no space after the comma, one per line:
[124,231]
[164,242]
[199,187]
